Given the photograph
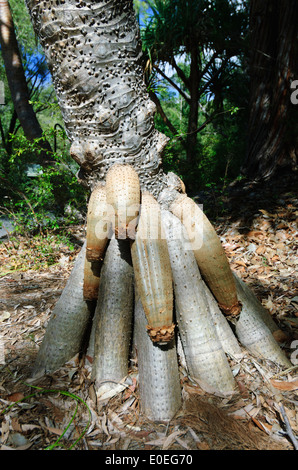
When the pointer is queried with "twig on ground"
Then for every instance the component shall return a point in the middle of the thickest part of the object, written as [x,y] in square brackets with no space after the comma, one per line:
[289,430]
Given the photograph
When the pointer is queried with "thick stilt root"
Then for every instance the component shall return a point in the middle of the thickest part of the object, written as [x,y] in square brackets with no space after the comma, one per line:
[152,270]
[208,251]
[252,331]
[244,290]
[112,323]
[159,382]
[91,279]
[205,357]
[68,323]
[98,224]
[224,331]
[97,235]
[123,196]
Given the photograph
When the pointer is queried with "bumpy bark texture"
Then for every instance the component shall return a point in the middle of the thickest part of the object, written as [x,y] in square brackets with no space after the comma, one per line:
[160,389]
[113,316]
[93,51]
[203,351]
[68,324]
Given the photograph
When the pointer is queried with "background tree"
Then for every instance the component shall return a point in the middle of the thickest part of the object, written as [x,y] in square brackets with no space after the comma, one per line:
[272,138]
[196,48]
[34,156]
[16,79]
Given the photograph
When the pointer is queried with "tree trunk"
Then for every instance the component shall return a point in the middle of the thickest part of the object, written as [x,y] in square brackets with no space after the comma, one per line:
[17,80]
[194,81]
[93,52]
[273,129]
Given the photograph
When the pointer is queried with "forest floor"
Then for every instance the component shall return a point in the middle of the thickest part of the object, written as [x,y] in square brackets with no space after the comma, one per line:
[258,229]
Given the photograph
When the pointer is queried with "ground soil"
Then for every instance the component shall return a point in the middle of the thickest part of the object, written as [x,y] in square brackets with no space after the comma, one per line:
[257,225]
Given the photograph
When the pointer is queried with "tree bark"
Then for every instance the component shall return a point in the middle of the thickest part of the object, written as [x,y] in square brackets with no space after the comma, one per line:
[273,129]
[194,81]
[68,326]
[94,54]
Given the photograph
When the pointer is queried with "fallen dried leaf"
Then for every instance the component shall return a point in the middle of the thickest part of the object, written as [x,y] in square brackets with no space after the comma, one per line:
[240,263]
[54,430]
[15,396]
[260,425]
[170,439]
[4,316]
[283,385]
[203,445]
[16,425]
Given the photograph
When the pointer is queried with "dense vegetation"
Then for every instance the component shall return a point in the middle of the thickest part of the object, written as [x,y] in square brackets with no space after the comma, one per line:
[197,76]
[37,195]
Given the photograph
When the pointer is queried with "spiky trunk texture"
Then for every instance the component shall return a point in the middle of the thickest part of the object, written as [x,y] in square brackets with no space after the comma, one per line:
[93,51]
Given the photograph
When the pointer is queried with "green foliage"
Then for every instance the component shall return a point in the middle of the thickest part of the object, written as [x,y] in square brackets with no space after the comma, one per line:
[36,197]
[174,26]
[220,145]
[218,28]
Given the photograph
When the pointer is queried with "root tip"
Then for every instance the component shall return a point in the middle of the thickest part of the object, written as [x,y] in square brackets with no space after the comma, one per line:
[280,336]
[232,310]
[161,334]
[90,293]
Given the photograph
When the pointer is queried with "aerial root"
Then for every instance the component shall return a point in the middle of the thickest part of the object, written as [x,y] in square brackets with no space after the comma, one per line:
[157,276]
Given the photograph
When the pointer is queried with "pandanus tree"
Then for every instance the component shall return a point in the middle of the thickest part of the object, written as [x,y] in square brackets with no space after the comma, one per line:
[152,271]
